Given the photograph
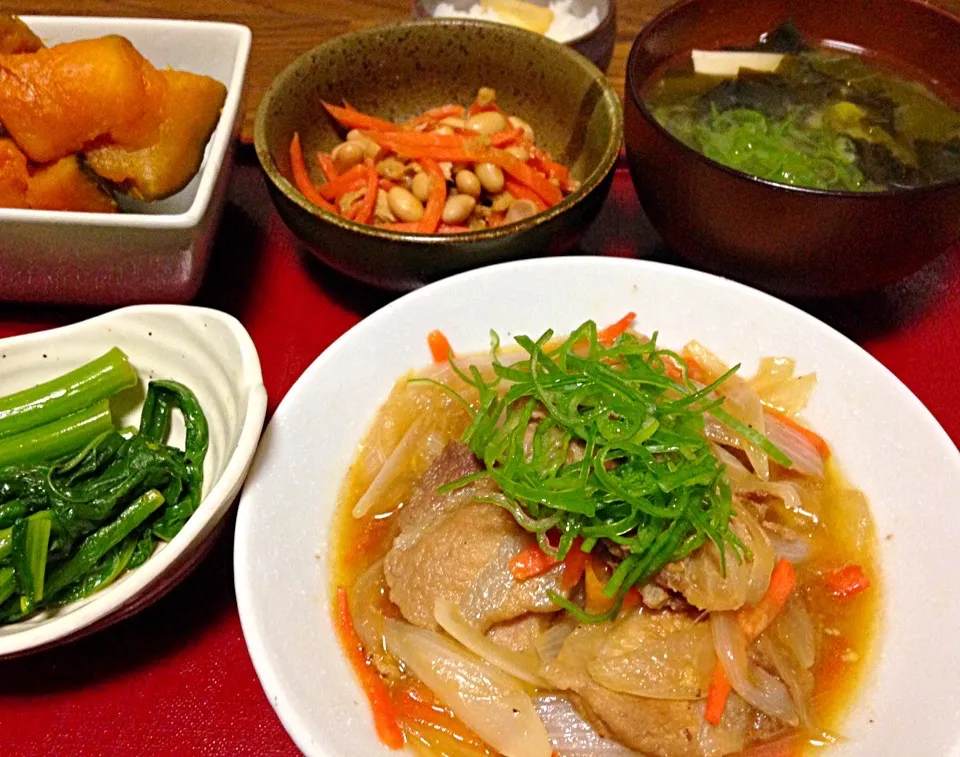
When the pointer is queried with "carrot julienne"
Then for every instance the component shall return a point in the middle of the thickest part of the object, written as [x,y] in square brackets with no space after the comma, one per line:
[365,212]
[326,163]
[384,712]
[532,562]
[608,335]
[302,178]
[812,436]
[753,621]
[436,199]
[439,346]
[354,119]
[334,190]
[847,582]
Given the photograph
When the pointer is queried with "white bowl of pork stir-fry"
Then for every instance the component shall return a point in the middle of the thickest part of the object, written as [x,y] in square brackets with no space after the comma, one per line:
[648,511]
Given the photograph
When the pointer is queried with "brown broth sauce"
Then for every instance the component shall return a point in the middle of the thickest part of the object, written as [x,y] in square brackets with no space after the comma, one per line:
[846,628]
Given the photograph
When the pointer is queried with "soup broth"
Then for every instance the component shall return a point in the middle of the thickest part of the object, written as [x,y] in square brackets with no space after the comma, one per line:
[824,119]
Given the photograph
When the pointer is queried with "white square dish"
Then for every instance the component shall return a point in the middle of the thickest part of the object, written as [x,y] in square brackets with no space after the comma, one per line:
[160,252]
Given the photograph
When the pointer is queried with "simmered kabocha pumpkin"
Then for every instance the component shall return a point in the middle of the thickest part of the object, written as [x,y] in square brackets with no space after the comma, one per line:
[189,113]
[59,100]
[68,185]
[16,36]
[13,176]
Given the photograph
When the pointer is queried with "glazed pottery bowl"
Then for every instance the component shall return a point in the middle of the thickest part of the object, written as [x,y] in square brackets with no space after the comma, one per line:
[790,240]
[399,71]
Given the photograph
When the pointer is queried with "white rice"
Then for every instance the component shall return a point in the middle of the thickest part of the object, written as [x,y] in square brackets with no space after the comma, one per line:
[571,18]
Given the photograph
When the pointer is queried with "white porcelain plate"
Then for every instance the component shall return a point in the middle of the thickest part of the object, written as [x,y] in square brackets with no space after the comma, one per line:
[211,353]
[888,443]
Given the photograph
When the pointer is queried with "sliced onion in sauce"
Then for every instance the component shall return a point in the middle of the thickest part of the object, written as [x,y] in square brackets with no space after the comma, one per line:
[804,456]
[488,701]
[517,664]
[760,689]
[794,629]
[571,735]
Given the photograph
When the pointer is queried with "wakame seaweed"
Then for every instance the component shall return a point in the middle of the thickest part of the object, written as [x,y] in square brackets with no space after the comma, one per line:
[824,120]
[75,518]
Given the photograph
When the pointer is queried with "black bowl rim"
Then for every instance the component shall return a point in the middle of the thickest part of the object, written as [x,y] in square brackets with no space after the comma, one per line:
[611,12]
[633,92]
[589,184]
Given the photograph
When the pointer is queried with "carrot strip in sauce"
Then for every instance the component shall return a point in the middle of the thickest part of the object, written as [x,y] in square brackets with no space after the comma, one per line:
[574,566]
[384,712]
[847,582]
[334,190]
[436,198]
[418,705]
[520,192]
[302,178]
[812,436]
[608,335]
[754,621]
[365,212]
[531,562]
[439,346]
[545,162]
[326,163]
[354,119]
[398,141]
[506,138]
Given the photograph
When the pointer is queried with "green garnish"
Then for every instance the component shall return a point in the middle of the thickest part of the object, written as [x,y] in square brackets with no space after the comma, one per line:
[82,501]
[648,480]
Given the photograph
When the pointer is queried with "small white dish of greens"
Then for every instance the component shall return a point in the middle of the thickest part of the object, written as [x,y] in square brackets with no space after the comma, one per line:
[123,442]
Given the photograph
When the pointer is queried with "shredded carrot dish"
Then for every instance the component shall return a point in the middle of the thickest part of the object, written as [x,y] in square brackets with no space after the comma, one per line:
[451,169]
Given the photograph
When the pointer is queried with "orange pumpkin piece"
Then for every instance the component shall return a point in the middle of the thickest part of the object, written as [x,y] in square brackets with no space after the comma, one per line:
[16,36]
[58,100]
[67,185]
[189,114]
[13,175]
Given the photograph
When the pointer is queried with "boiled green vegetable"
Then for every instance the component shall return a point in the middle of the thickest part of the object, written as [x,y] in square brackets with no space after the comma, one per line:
[81,502]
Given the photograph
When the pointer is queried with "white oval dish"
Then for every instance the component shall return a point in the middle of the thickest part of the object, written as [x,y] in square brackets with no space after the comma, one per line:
[211,353]
[888,443]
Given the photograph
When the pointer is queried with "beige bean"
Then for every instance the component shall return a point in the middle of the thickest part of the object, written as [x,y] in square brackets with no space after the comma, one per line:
[468,183]
[370,148]
[502,201]
[487,122]
[404,205]
[391,168]
[458,208]
[444,129]
[520,153]
[486,96]
[420,186]
[382,210]
[521,209]
[346,155]
[519,123]
[454,122]
[490,176]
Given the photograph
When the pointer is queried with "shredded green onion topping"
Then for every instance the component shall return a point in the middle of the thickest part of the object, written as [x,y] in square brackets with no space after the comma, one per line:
[647,481]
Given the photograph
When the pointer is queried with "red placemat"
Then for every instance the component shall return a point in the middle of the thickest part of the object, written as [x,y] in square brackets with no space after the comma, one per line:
[176,679]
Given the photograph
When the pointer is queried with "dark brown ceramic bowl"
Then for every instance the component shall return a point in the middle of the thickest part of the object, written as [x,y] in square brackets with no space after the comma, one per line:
[789,240]
[398,71]
[596,45]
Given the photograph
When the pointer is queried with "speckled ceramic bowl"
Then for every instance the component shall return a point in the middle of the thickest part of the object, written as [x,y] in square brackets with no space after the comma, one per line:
[596,44]
[398,71]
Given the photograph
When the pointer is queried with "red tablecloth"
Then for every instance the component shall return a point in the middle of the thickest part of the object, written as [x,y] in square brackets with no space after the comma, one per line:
[176,679]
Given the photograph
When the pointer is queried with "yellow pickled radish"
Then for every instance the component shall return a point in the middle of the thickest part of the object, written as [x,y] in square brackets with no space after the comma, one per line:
[528,16]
